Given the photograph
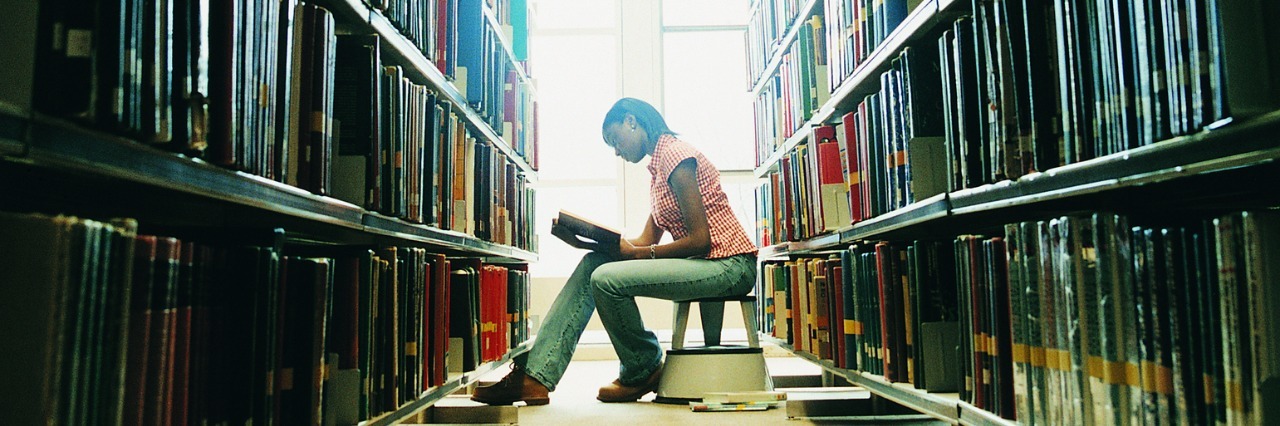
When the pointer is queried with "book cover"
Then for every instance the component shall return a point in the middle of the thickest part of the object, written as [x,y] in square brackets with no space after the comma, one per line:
[599,237]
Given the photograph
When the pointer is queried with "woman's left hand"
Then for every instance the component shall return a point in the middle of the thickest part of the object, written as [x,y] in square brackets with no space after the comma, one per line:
[626,250]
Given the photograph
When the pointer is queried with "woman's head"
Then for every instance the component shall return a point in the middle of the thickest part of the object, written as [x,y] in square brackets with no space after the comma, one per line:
[632,128]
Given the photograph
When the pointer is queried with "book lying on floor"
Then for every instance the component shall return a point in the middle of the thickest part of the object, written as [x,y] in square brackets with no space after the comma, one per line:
[596,236]
[744,397]
[699,407]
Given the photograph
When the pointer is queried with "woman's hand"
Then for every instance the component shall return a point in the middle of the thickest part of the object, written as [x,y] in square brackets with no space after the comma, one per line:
[627,251]
[564,234]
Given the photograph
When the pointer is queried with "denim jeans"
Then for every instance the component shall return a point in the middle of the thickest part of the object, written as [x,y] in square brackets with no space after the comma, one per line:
[612,286]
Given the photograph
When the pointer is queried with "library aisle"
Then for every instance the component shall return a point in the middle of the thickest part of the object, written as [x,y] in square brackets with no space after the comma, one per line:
[574,402]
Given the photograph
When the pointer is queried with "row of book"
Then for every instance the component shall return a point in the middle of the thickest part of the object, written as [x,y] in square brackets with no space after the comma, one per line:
[1077,319]
[937,122]
[855,28]
[791,97]
[455,36]
[1034,85]
[828,47]
[862,166]
[405,152]
[1165,324]
[881,308]
[249,85]
[105,325]
[767,25]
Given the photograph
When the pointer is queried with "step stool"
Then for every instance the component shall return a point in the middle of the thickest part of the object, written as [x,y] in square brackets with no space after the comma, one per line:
[691,372]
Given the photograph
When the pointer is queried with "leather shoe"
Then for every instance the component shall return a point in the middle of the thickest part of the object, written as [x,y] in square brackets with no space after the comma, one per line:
[517,386]
[618,392]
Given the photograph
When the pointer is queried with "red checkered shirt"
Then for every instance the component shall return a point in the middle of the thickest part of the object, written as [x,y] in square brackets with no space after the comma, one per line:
[727,236]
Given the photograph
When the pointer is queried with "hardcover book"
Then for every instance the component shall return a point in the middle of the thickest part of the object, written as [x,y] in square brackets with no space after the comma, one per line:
[594,234]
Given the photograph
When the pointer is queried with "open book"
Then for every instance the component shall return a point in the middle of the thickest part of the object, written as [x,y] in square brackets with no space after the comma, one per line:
[597,236]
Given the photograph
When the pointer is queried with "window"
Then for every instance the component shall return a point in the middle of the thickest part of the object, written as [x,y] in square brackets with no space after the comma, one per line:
[686,58]
[706,94]
[577,82]
[574,61]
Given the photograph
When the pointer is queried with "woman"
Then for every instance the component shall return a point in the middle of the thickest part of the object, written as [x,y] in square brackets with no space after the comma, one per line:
[710,256]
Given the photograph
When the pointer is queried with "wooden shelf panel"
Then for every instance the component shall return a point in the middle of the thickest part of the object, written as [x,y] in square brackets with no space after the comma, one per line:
[66,146]
[417,65]
[435,394]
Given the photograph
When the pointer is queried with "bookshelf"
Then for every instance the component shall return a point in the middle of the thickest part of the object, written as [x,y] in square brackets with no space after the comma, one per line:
[54,164]
[1179,183]
[369,21]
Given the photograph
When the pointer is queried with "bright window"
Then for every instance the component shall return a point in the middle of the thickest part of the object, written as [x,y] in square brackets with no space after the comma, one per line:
[574,92]
[706,98]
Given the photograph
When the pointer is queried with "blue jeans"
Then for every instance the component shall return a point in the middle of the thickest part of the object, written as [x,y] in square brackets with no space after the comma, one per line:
[612,286]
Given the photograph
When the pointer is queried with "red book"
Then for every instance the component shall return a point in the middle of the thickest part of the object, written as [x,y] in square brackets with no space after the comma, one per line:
[884,288]
[835,281]
[139,329]
[834,190]
[788,201]
[440,319]
[864,157]
[853,147]
[442,36]
[182,338]
[160,361]
[343,337]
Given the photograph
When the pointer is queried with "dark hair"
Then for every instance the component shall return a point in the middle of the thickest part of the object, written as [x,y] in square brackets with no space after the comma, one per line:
[645,114]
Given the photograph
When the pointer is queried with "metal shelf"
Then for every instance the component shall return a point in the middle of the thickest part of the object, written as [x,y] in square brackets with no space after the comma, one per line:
[435,394]
[929,209]
[774,158]
[1244,144]
[942,406]
[418,65]
[449,240]
[68,147]
[974,416]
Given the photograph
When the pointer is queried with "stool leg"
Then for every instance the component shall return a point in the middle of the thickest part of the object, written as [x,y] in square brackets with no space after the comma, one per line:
[712,321]
[749,317]
[681,321]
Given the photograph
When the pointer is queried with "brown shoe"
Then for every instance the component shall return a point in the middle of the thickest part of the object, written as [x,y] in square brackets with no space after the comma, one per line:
[617,392]
[517,386]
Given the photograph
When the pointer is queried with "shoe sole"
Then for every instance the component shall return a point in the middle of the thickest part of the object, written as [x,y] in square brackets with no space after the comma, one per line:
[628,398]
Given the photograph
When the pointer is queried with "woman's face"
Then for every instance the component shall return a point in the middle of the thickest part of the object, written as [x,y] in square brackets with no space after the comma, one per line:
[627,140]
